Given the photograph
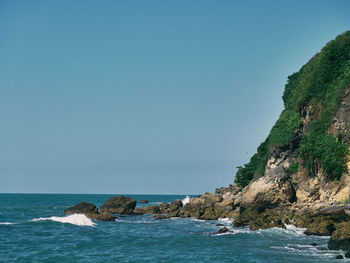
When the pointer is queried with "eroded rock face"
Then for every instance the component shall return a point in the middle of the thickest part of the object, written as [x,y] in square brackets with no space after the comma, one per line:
[340,127]
[119,205]
[211,206]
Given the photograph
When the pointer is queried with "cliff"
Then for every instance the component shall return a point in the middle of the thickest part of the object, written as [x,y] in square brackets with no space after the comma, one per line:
[300,173]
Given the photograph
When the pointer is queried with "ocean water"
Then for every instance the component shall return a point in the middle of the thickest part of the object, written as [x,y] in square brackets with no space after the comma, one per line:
[33,228]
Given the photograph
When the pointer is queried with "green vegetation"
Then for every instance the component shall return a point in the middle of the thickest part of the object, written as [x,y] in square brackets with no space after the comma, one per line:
[318,87]
[293,168]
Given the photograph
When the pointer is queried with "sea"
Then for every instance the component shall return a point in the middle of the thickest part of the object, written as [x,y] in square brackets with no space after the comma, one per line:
[34,228]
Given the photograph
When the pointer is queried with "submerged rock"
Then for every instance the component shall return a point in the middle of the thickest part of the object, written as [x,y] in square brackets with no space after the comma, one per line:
[144,201]
[223,230]
[119,205]
[157,217]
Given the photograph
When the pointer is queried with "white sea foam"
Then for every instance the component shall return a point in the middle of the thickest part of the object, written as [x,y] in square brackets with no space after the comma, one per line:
[225,221]
[186,200]
[6,223]
[75,219]
[295,230]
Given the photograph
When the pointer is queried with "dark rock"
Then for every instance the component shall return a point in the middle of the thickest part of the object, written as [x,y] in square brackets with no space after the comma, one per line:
[192,210]
[102,217]
[339,257]
[82,208]
[340,238]
[347,254]
[223,230]
[313,244]
[320,227]
[161,217]
[220,225]
[148,210]
[144,201]
[332,210]
[119,205]
[258,217]
[90,210]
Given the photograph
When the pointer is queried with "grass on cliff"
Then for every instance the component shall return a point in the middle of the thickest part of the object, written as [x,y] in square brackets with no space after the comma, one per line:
[318,86]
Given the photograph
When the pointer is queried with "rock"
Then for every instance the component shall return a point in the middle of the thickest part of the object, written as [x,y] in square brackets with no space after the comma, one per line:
[320,228]
[119,205]
[82,208]
[192,210]
[90,210]
[347,254]
[339,257]
[209,214]
[259,217]
[157,217]
[148,210]
[313,244]
[102,217]
[175,205]
[223,230]
[220,225]
[340,238]
[144,201]
[330,210]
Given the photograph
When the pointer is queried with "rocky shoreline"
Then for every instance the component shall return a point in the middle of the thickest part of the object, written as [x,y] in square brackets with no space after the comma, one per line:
[320,218]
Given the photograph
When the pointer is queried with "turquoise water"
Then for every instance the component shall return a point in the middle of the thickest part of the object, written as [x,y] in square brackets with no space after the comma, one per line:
[31,230]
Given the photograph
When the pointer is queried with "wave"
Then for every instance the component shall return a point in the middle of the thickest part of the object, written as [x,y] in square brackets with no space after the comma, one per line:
[225,221]
[6,223]
[186,200]
[296,230]
[75,219]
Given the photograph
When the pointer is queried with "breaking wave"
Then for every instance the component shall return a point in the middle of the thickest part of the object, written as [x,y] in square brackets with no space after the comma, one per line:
[75,219]
[186,200]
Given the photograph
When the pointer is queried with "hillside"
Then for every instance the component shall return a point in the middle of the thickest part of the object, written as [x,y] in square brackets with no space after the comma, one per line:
[309,122]
[300,173]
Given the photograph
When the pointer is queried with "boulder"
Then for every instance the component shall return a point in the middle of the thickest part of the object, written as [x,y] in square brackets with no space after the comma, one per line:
[102,217]
[119,205]
[148,210]
[82,208]
[89,210]
[144,201]
[223,230]
[320,227]
[340,238]
[192,210]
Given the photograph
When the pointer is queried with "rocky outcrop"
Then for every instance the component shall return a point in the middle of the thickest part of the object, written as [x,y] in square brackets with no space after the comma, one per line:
[340,238]
[210,206]
[82,208]
[119,205]
[340,127]
[90,210]
[144,201]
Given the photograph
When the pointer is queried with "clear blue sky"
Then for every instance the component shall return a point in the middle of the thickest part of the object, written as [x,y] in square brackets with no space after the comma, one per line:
[146,96]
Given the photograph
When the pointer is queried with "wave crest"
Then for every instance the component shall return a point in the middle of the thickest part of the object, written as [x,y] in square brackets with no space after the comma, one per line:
[75,219]
[186,200]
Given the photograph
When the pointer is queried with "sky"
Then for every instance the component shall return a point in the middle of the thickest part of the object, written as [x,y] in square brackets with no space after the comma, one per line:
[146,97]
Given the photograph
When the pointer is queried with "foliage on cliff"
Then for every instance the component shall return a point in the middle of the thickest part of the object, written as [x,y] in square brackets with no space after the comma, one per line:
[318,86]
